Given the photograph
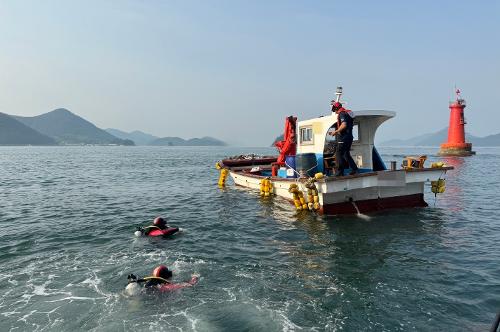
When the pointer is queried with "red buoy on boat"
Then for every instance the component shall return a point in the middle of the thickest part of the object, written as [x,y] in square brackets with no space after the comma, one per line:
[456,145]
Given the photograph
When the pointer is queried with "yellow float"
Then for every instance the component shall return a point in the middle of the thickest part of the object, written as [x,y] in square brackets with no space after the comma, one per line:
[222,177]
[266,187]
[438,187]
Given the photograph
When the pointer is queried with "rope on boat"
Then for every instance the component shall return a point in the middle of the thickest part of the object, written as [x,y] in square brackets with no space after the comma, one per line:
[306,172]
[293,169]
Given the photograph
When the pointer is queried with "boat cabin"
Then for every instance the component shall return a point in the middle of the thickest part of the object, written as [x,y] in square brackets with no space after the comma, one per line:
[313,137]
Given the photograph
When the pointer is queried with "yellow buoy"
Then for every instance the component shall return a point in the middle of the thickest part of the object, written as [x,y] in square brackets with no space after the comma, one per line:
[438,187]
[266,187]
[222,177]
[438,164]
[318,176]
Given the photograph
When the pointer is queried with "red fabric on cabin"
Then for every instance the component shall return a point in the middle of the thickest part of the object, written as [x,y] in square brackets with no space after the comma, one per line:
[288,146]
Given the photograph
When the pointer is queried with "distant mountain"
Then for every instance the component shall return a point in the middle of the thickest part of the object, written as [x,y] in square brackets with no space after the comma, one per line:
[139,137]
[177,141]
[435,139]
[168,141]
[414,140]
[13,132]
[490,140]
[205,141]
[68,128]
[279,138]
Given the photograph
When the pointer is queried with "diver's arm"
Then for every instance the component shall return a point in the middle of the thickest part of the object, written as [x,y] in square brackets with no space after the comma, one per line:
[173,287]
[190,283]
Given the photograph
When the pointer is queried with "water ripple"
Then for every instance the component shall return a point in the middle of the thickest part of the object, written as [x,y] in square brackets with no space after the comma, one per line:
[66,246]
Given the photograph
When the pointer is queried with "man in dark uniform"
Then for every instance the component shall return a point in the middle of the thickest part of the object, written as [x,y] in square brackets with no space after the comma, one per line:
[344,139]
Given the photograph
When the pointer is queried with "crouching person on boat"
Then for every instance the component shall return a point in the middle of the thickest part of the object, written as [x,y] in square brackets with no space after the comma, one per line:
[345,124]
[159,228]
[160,281]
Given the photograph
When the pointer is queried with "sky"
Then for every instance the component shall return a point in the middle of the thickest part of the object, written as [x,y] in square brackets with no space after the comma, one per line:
[235,69]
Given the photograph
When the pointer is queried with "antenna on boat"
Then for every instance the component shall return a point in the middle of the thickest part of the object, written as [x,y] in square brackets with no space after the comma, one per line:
[338,93]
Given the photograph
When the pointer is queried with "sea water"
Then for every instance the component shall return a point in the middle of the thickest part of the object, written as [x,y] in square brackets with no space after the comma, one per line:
[67,244]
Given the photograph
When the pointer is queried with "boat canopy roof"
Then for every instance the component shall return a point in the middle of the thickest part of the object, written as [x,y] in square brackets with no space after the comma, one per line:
[312,133]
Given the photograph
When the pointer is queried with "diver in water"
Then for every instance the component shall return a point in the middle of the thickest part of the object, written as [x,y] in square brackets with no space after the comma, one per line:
[160,281]
[159,228]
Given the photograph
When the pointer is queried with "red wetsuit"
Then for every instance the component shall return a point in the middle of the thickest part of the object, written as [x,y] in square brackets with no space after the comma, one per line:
[163,232]
[171,287]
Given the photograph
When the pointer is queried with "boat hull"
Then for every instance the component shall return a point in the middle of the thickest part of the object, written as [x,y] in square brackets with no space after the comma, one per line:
[369,192]
[373,205]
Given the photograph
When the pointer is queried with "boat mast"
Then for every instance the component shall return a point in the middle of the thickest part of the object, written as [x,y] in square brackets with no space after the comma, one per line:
[338,93]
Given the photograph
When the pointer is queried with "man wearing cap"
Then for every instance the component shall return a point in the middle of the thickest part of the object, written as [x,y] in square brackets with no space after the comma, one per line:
[345,123]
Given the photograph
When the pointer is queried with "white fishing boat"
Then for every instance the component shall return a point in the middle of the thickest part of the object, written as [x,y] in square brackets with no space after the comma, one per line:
[311,183]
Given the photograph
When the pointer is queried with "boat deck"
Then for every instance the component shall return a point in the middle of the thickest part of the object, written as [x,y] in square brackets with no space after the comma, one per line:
[245,170]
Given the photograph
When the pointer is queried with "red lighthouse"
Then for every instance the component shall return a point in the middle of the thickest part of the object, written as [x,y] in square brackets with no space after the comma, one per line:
[456,145]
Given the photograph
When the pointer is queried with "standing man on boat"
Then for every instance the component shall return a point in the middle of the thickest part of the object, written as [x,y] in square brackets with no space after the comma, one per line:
[345,123]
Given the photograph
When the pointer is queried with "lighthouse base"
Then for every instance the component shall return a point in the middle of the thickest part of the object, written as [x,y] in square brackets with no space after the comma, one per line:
[458,150]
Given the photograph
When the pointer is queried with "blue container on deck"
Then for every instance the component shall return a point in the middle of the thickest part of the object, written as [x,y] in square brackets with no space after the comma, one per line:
[282,172]
[306,164]
[290,163]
